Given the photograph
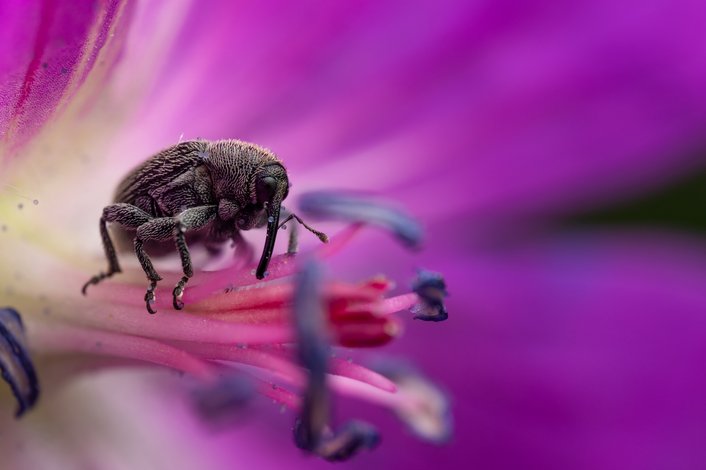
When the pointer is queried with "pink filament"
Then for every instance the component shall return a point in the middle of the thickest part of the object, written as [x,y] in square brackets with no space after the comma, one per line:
[345,368]
[54,338]
[248,297]
[279,394]
[281,363]
[251,356]
[178,326]
[359,373]
[397,304]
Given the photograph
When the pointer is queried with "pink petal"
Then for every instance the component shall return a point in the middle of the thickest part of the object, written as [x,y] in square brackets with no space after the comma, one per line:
[579,351]
[50,47]
[493,108]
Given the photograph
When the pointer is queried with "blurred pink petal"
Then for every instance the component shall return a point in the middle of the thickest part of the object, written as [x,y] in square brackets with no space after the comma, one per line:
[50,47]
[490,108]
[575,351]
[562,351]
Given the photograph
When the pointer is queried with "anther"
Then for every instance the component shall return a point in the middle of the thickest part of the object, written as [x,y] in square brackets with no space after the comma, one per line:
[15,363]
[354,437]
[422,405]
[357,208]
[431,289]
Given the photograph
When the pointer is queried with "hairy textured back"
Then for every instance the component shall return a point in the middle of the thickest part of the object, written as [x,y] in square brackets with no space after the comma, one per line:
[160,169]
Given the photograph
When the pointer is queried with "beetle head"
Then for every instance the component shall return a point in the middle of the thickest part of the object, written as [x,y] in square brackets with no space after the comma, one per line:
[271,188]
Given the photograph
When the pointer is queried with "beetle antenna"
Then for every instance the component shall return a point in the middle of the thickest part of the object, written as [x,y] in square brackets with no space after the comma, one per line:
[320,235]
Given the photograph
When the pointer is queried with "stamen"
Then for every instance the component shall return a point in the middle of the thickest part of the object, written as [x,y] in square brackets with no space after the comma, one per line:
[313,352]
[177,326]
[311,431]
[251,356]
[397,304]
[15,363]
[350,379]
[277,295]
[58,339]
[314,416]
[357,372]
[354,437]
[431,289]
[336,205]
[278,394]
[370,331]
[421,404]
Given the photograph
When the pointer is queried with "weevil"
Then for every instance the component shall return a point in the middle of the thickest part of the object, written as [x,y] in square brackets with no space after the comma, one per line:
[197,192]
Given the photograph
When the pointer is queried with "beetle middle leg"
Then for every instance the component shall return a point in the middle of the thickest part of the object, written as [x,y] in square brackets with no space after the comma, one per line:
[163,228]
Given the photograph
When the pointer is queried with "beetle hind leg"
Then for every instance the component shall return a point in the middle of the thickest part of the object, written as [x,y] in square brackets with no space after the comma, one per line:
[110,254]
[126,215]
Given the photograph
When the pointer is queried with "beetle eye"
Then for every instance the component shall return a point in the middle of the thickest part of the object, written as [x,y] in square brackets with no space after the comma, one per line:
[265,189]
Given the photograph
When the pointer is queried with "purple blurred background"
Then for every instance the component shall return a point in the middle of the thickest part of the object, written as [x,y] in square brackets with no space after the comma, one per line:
[554,152]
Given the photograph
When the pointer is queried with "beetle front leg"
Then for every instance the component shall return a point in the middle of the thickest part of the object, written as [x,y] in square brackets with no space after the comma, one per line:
[186,266]
[190,219]
[155,229]
[164,228]
[151,273]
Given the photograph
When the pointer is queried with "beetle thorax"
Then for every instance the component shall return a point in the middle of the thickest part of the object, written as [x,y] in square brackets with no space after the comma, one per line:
[234,168]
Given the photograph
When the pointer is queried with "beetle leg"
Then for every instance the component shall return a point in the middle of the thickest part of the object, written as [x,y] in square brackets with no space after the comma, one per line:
[191,219]
[186,266]
[155,229]
[293,244]
[149,270]
[126,215]
[293,239]
[164,228]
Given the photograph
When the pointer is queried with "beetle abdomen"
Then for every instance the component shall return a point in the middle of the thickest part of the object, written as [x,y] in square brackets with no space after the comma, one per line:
[164,167]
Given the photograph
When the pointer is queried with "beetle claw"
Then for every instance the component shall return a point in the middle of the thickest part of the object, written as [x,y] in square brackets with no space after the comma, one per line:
[178,293]
[149,302]
[177,302]
[150,298]
[95,280]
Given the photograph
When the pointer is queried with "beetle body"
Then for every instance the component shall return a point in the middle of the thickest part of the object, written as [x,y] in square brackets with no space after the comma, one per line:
[194,174]
[206,191]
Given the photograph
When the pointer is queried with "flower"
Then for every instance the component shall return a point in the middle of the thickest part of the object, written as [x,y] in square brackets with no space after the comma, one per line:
[230,318]
[489,120]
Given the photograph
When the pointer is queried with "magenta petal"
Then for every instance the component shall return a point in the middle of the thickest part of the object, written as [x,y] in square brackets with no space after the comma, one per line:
[49,48]
[482,107]
[582,351]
